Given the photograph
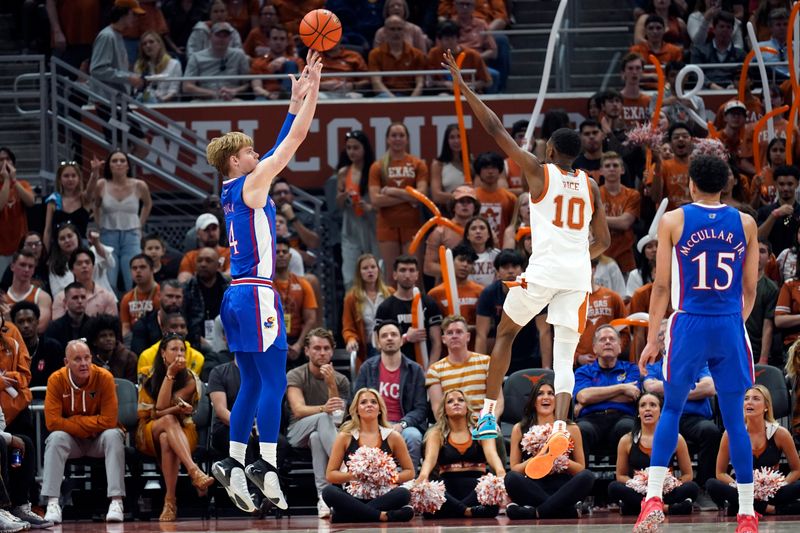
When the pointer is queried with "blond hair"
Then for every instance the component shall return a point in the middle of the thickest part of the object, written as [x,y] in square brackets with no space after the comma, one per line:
[355,421]
[793,360]
[161,61]
[769,416]
[442,425]
[220,149]
[359,290]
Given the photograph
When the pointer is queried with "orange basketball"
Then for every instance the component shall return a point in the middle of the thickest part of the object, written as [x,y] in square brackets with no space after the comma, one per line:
[320,30]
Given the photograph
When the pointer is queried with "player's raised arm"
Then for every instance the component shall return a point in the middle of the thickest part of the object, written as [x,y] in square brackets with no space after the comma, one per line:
[659,298]
[750,270]
[599,224]
[494,126]
[305,90]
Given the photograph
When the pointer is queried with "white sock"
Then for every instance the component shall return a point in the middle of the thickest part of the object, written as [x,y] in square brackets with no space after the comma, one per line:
[52,499]
[746,499]
[655,481]
[269,452]
[237,450]
[488,406]
[559,426]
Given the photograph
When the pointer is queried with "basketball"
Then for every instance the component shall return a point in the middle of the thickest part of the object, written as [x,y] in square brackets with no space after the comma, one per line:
[320,30]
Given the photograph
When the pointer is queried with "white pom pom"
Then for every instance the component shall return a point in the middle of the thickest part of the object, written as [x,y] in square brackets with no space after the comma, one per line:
[491,490]
[427,496]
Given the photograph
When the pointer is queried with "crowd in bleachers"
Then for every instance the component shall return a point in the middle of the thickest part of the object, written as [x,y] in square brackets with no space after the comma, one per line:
[89,296]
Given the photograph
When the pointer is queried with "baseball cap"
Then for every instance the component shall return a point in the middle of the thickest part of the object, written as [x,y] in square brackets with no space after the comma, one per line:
[221,26]
[464,191]
[734,104]
[205,220]
[133,4]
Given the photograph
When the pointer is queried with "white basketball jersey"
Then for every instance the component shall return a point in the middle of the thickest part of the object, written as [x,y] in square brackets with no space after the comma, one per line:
[560,219]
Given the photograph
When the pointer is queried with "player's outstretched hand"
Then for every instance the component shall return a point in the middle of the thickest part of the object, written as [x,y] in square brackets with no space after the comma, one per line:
[314,65]
[649,355]
[300,85]
[450,63]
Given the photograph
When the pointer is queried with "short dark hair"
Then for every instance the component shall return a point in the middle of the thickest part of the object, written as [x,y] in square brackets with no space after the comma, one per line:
[75,285]
[610,94]
[488,160]
[282,240]
[654,18]
[724,16]
[520,126]
[153,237]
[786,170]
[633,56]
[117,12]
[145,258]
[567,142]
[677,126]
[765,242]
[25,252]
[465,250]
[175,314]
[388,322]
[588,123]
[99,323]
[322,333]
[405,259]
[447,28]
[11,155]
[24,305]
[171,283]
[709,173]
[508,257]
[674,66]
[78,251]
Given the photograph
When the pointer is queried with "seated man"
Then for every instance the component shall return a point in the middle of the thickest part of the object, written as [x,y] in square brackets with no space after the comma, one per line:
[70,326]
[173,323]
[148,329]
[654,28]
[720,49]
[47,355]
[396,55]
[604,305]
[204,291]
[401,383]
[207,227]
[298,300]
[143,298]
[605,395]
[220,60]
[317,397]
[340,59]
[447,39]
[696,425]
[277,60]
[23,265]
[80,411]
[464,258]
[103,336]
[778,29]
[98,299]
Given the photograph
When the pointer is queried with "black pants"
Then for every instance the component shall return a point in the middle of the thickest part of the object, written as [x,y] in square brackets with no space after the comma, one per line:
[460,493]
[19,481]
[631,501]
[785,500]
[702,436]
[347,508]
[553,496]
[23,425]
[601,432]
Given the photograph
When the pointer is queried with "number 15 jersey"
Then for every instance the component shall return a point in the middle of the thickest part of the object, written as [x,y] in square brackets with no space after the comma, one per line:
[560,219]
[707,261]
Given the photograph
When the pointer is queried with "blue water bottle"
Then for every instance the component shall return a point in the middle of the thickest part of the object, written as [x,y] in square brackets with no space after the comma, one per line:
[16,458]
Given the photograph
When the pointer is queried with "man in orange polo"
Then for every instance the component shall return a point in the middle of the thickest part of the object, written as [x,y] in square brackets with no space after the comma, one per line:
[207,227]
[396,55]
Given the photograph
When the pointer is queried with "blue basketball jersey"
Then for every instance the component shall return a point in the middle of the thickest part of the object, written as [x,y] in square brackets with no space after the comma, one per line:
[708,261]
[250,233]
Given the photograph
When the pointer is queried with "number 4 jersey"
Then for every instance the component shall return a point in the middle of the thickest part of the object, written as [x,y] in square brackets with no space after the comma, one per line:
[707,261]
[560,219]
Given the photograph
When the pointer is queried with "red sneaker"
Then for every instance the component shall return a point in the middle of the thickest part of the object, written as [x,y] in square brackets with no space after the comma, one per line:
[650,517]
[541,465]
[746,523]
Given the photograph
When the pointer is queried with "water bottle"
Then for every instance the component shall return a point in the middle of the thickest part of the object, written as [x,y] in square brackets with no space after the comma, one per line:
[338,416]
[16,458]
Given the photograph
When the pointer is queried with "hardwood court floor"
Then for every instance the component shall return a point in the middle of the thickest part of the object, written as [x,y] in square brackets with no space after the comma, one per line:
[705,522]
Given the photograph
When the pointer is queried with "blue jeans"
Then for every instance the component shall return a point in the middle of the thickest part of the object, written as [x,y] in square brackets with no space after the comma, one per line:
[413,439]
[501,64]
[126,244]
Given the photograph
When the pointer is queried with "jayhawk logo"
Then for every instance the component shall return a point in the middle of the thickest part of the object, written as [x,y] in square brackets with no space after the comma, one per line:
[270,322]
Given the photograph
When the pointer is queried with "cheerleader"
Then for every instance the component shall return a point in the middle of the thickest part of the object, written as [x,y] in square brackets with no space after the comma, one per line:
[459,459]
[367,426]
[769,442]
[556,494]
[633,454]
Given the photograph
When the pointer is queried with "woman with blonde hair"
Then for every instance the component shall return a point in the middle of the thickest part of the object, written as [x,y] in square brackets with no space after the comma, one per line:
[452,455]
[72,199]
[770,443]
[367,426]
[167,399]
[154,61]
[793,375]
[360,305]
[520,218]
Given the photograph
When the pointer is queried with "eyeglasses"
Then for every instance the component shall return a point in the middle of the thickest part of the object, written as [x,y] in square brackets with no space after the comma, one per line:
[33,244]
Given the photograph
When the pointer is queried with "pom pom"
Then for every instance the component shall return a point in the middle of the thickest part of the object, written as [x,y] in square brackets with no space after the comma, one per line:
[374,470]
[491,490]
[709,146]
[639,482]
[536,437]
[766,483]
[427,496]
[645,136]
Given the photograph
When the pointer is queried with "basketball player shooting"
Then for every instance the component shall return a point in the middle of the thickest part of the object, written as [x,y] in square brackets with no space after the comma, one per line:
[251,309]
[565,204]
[715,249]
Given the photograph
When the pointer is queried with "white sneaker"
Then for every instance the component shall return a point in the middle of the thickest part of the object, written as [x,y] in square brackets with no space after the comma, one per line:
[23,512]
[115,512]
[323,511]
[53,513]
[7,525]
[8,517]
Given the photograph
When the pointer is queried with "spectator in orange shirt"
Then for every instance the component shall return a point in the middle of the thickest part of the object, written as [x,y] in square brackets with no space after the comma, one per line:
[779,123]
[291,12]
[207,227]
[413,34]
[494,12]
[299,303]
[398,213]
[396,55]
[468,291]
[447,39]
[604,306]
[622,210]
[15,197]
[257,42]
[635,103]
[474,32]
[654,42]
[340,59]
[143,298]
[464,205]
[497,205]
[276,60]
[733,135]
[243,14]
[466,12]
[671,179]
